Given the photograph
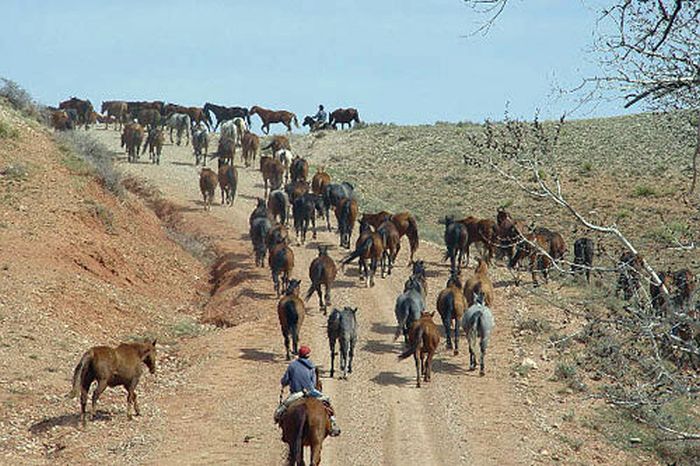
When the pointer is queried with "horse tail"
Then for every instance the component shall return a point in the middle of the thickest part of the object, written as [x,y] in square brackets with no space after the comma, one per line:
[415,344]
[449,309]
[291,316]
[297,445]
[296,122]
[315,276]
[412,233]
[80,373]
[361,249]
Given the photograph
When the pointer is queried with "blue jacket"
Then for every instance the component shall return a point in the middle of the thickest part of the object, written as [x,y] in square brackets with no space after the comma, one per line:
[300,374]
[320,116]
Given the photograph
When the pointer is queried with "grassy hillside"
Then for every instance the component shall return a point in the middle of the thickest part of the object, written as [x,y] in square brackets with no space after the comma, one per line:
[629,170]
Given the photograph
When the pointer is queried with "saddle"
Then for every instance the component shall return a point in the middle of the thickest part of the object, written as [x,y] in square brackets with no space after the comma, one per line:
[294,397]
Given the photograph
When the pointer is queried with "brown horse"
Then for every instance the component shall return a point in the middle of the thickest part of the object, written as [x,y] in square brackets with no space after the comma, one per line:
[542,247]
[291,313]
[423,341]
[281,262]
[481,231]
[305,423]
[274,116]
[510,233]
[368,248]
[344,116]
[112,367]
[299,169]
[228,181]
[322,272]
[320,180]
[278,143]
[207,186]
[273,174]
[479,283]
[117,109]
[376,219]
[392,243]
[451,306]
[132,137]
[250,146]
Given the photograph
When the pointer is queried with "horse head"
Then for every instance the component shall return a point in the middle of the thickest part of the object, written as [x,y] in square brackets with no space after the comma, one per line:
[149,356]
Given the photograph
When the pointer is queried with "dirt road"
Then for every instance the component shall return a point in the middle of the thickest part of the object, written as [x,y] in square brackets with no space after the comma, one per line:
[224,412]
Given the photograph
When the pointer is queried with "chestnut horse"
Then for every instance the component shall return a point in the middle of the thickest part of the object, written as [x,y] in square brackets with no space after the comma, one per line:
[344,116]
[423,341]
[281,262]
[271,116]
[320,180]
[112,367]
[479,283]
[305,423]
[481,231]
[369,247]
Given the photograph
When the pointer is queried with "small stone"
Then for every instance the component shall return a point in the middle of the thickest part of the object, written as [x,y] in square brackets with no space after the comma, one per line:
[635,440]
[544,452]
[528,364]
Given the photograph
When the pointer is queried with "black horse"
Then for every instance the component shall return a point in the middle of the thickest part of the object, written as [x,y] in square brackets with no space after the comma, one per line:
[225,113]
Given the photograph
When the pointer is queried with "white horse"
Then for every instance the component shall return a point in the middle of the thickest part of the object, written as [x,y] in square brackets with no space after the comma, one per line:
[229,129]
[180,122]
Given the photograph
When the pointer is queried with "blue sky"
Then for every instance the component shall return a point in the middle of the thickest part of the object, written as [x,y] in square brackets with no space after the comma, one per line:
[402,61]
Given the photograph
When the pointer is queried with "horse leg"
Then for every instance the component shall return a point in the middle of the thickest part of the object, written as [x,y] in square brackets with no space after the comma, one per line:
[276,281]
[295,341]
[343,357]
[316,452]
[456,336]
[372,270]
[286,343]
[418,365]
[484,342]
[351,356]
[83,402]
[447,323]
[472,358]
[313,225]
[328,294]
[101,386]
[429,366]
[332,345]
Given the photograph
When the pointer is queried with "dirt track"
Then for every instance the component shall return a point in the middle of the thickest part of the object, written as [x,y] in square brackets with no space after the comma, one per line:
[224,414]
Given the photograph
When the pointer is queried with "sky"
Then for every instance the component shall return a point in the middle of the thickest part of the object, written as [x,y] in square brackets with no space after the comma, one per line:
[400,61]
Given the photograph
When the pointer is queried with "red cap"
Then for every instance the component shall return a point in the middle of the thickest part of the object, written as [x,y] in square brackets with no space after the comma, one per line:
[304,351]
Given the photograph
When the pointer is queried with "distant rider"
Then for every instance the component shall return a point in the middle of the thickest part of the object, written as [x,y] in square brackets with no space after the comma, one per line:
[321,116]
[300,376]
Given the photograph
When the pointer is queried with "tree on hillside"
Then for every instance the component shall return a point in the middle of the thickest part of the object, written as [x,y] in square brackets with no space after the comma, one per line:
[649,52]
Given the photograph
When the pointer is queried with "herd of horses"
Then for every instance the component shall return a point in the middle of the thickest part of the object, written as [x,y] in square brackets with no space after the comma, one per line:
[292,198]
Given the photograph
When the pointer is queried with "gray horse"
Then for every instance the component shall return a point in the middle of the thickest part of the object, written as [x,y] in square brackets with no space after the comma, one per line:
[342,325]
[259,228]
[409,306]
[478,321]
[180,122]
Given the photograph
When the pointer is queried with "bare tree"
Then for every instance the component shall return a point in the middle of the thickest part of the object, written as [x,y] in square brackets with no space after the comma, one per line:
[649,51]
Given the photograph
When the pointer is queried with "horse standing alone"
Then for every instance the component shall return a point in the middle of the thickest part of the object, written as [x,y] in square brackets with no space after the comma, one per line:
[112,367]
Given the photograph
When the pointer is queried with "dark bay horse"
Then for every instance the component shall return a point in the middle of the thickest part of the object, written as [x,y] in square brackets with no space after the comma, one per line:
[344,116]
[291,313]
[274,116]
[281,262]
[451,305]
[225,113]
[112,367]
[346,214]
[368,248]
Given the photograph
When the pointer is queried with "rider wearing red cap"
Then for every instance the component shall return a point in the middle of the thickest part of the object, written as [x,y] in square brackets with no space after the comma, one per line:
[300,376]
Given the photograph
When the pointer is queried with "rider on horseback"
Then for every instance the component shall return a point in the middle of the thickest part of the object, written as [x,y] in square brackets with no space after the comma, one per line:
[300,376]
[320,117]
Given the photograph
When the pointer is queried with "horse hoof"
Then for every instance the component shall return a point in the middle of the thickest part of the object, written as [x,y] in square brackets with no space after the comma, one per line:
[471,368]
[481,373]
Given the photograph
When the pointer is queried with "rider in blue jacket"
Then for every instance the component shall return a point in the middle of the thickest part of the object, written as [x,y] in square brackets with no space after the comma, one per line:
[300,377]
